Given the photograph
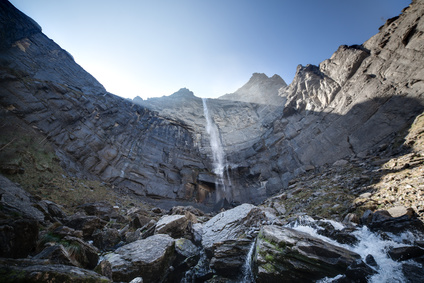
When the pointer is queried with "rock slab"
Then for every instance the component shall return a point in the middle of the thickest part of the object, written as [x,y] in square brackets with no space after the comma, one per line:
[149,258]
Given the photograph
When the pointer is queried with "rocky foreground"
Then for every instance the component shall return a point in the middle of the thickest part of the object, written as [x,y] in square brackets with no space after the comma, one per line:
[379,196]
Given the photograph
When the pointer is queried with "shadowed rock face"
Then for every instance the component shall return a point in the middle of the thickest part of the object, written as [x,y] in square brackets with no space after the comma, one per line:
[96,135]
[348,106]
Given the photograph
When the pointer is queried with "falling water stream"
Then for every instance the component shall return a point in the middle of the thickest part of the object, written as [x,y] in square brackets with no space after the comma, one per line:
[247,275]
[218,155]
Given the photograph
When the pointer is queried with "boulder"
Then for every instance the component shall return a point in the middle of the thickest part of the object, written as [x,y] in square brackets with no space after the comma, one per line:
[187,256]
[24,270]
[183,209]
[51,210]
[63,231]
[84,253]
[150,258]
[104,268]
[413,272]
[229,257]
[103,210]
[383,221]
[18,238]
[87,224]
[225,237]
[293,256]
[173,225]
[57,254]
[405,253]
[106,239]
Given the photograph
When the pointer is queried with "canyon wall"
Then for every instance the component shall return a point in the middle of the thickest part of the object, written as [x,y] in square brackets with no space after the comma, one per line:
[351,105]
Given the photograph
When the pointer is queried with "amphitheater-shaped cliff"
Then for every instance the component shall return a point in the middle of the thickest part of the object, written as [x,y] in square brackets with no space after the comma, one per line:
[351,105]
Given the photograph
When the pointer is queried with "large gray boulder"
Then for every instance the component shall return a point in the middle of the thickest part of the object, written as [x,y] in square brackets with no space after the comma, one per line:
[286,254]
[150,258]
[228,235]
[173,225]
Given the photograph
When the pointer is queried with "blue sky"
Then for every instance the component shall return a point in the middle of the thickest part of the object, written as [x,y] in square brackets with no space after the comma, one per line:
[155,47]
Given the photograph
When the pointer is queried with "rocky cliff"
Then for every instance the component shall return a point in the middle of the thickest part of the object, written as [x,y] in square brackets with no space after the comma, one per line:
[351,105]
[95,135]
[345,143]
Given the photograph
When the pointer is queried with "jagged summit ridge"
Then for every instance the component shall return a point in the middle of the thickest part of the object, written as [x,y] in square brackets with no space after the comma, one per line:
[260,89]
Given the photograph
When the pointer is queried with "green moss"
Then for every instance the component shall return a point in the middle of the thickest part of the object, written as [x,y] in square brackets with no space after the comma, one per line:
[269,267]
[269,257]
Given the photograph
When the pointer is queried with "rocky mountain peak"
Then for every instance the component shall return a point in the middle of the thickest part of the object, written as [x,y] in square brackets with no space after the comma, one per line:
[259,89]
[183,92]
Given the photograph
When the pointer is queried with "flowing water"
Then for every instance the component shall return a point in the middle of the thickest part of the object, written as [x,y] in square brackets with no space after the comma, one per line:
[369,244]
[218,156]
[247,276]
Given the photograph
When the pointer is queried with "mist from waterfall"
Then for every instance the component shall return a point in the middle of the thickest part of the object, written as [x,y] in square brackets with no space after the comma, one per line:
[218,154]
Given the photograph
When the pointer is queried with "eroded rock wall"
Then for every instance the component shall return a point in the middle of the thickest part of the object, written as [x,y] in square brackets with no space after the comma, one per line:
[97,135]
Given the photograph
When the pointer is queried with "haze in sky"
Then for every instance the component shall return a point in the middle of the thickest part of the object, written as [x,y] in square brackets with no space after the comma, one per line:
[153,48]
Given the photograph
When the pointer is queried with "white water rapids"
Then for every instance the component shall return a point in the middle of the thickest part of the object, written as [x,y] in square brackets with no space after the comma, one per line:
[369,244]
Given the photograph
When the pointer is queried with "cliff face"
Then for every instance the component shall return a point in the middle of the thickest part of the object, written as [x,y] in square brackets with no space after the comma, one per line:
[95,134]
[350,106]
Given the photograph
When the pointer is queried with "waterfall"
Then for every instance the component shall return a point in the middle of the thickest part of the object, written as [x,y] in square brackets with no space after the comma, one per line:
[247,267]
[218,155]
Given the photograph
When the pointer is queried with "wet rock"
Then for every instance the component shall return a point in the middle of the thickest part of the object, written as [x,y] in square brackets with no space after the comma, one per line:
[187,256]
[18,238]
[343,236]
[44,271]
[284,253]
[201,272]
[382,221]
[225,237]
[371,261]
[150,258]
[413,272]
[229,257]
[359,271]
[405,253]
